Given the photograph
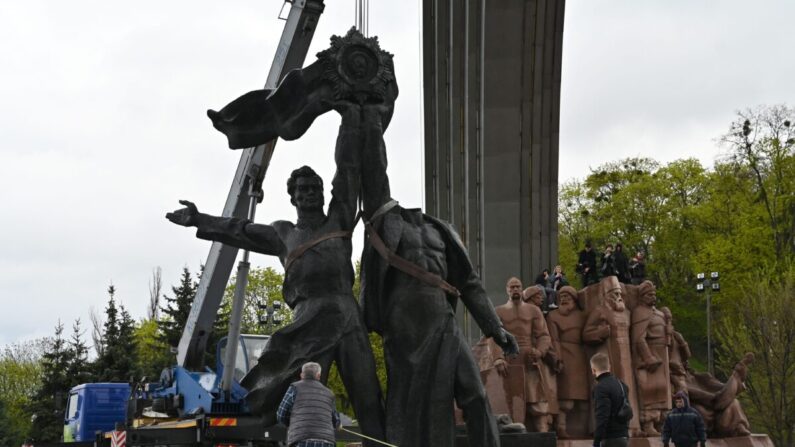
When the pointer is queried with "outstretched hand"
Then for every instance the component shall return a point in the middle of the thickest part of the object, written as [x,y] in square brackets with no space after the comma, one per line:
[507,342]
[187,217]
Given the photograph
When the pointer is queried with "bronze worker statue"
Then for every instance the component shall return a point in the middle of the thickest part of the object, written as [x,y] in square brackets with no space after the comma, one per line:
[414,267]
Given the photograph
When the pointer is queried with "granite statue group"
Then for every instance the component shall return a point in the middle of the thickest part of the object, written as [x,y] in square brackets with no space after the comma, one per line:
[551,375]
[415,271]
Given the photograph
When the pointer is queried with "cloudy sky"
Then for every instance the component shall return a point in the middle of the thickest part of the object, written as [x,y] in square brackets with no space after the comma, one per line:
[103,126]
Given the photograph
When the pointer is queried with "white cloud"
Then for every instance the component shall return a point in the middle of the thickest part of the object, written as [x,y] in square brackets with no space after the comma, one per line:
[103,126]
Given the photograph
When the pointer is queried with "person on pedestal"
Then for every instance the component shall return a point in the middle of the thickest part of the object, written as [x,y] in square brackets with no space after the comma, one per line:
[526,322]
[683,425]
[650,349]
[621,262]
[565,328]
[586,265]
[609,395]
[559,278]
[607,328]
[608,264]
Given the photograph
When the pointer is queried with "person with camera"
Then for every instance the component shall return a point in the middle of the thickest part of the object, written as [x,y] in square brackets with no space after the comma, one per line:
[612,411]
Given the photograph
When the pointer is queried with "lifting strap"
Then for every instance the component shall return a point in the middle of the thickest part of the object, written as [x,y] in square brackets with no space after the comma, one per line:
[406,266]
[298,252]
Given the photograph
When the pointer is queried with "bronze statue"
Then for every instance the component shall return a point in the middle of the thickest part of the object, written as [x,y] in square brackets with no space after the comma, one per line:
[526,322]
[607,328]
[414,271]
[650,349]
[565,327]
[316,252]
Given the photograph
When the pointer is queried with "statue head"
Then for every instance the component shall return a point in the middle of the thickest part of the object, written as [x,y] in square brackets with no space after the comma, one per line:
[647,293]
[567,297]
[533,295]
[514,289]
[306,189]
[612,293]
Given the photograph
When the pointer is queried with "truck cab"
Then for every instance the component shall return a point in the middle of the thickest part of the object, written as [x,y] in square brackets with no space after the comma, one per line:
[93,407]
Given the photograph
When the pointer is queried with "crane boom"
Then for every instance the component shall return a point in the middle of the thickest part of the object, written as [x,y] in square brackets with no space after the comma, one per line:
[299,28]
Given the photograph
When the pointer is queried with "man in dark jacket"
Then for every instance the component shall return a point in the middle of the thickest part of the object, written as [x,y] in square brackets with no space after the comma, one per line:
[586,265]
[307,409]
[683,425]
[608,397]
[621,263]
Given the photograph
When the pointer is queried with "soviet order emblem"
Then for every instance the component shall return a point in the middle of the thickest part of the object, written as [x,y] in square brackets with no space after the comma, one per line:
[357,67]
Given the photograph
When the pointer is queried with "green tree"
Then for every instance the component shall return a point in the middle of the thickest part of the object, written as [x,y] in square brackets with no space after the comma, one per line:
[78,370]
[20,378]
[177,308]
[264,287]
[152,354]
[117,361]
[764,323]
[47,404]
[761,145]
[7,432]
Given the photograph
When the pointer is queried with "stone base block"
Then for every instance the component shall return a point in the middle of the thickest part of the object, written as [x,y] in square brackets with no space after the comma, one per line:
[744,441]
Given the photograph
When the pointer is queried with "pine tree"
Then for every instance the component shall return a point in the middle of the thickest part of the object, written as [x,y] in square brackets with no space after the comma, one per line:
[117,362]
[177,308]
[50,397]
[78,367]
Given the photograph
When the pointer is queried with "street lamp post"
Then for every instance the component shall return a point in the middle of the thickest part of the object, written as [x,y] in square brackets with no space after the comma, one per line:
[271,316]
[708,285]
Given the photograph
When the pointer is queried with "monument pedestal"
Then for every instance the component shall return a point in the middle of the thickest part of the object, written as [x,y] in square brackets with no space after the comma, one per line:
[744,441]
[517,440]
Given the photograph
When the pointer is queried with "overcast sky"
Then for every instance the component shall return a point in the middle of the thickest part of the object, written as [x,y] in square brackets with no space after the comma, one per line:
[103,126]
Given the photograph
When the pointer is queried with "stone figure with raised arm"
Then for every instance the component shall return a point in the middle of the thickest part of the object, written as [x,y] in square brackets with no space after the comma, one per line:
[415,270]
[414,267]
[316,253]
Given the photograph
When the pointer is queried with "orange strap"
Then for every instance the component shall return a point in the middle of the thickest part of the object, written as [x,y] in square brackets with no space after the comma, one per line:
[407,266]
[298,252]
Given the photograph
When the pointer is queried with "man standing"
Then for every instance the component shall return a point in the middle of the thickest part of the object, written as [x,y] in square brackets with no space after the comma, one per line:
[608,397]
[586,265]
[683,425]
[607,327]
[316,253]
[307,409]
[526,322]
[621,263]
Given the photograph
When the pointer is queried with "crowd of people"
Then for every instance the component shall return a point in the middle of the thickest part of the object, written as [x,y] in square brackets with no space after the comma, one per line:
[612,262]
